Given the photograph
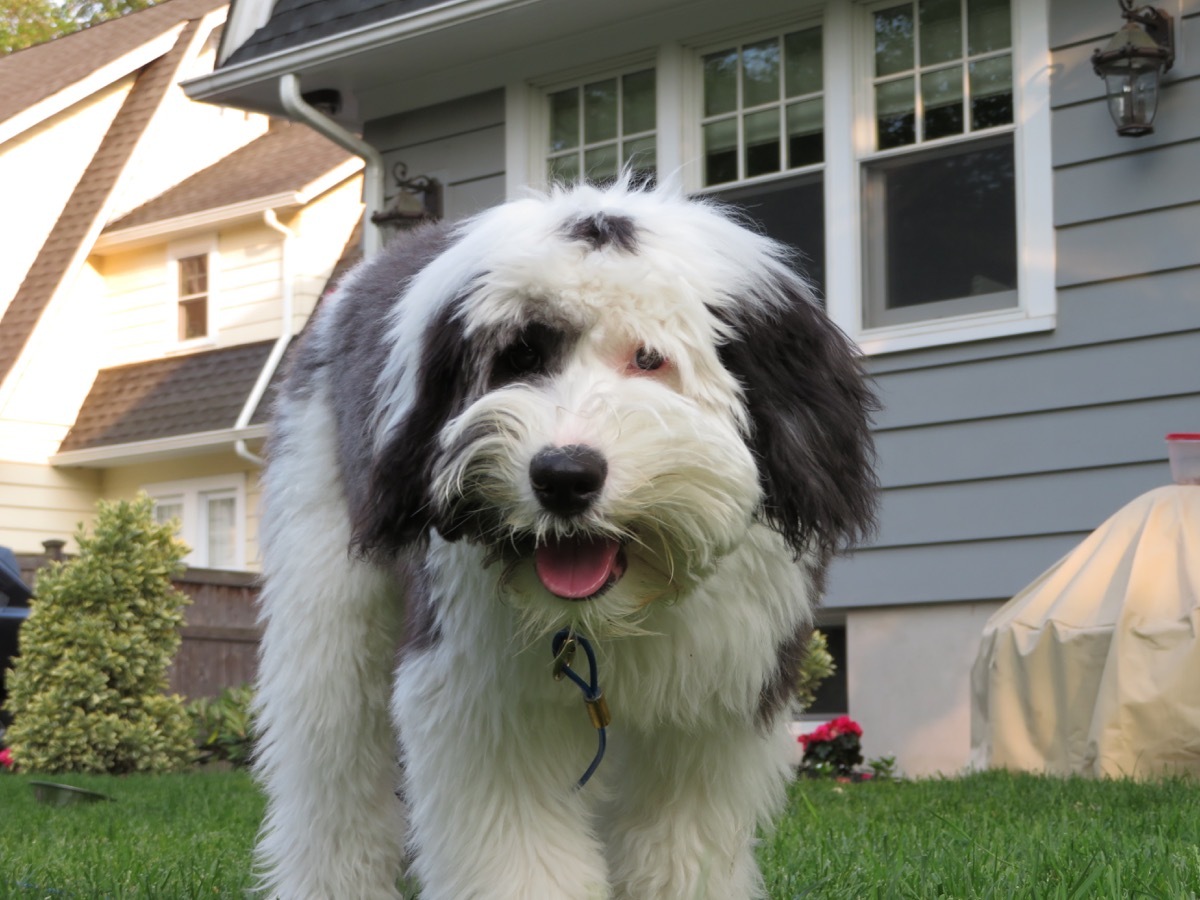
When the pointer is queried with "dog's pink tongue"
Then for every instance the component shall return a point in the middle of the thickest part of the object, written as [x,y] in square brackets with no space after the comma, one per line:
[575,568]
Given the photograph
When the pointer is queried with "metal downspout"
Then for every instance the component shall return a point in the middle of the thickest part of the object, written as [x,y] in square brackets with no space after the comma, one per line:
[298,108]
[286,329]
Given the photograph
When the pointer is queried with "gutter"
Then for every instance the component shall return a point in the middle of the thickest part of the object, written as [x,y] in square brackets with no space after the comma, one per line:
[298,108]
[428,20]
[158,448]
[286,329]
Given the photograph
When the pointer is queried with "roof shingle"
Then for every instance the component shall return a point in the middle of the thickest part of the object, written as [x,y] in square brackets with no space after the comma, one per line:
[87,202]
[169,397]
[297,22]
[36,73]
[285,159]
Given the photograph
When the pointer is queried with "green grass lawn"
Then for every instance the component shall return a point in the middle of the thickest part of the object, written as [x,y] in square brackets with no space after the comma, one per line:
[164,836]
[988,835]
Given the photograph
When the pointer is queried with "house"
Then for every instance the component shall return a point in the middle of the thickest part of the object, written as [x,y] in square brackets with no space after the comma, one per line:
[159,256]
[1022,281]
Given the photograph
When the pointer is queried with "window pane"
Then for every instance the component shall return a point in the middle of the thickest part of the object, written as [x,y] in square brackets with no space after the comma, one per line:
[941,31]
[600,111]
[720,82]
[600,164]
[193,319]
[193,275]
[760,73]
[806,134]
[991,92]
[563,169]
[791,211]
[639,155]
[989,26]
[802,62]
[893,40]
[720,152]
[564,119]
[762,142]
[222,532]
[167,509]
[943,226]
[637,102]
[942,96]
[895,113]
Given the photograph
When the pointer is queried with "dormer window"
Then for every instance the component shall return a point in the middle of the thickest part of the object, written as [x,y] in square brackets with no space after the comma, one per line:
[193,297]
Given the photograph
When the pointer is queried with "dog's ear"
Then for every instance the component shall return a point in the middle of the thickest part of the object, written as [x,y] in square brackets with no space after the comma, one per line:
[396,509]
[809,406]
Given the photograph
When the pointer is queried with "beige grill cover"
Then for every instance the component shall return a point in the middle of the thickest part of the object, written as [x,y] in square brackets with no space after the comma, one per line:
[1094,668]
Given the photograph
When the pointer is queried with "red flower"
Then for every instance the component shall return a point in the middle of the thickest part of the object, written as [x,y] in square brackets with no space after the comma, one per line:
[845,725]
[6,758]
[831,731]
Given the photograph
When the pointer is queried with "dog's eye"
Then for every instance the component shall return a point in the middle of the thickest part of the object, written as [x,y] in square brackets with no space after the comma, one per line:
[521,359]
[648,360]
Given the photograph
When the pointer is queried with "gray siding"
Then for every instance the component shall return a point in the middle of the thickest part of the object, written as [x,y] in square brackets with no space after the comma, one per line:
[997,458]
[460,143]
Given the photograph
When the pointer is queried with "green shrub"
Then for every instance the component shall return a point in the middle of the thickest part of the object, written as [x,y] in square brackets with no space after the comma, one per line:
[224,726]
[816,667]
[87,692]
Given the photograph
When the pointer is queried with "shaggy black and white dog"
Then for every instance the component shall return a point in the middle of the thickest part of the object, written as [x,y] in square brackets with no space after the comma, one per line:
[616,411]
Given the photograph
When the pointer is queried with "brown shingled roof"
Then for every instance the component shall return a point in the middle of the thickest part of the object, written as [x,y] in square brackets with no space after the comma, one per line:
[30,76]
[168,397]
[88,200]
[285,159]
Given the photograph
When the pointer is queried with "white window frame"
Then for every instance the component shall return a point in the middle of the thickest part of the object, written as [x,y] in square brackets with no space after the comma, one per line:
[206,247]
[528,144]
[849,142]
[741,39]
[193,523]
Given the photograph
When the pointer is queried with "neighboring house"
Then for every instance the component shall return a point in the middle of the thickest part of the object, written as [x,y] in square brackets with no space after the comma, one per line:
[159,255]
[1023,282]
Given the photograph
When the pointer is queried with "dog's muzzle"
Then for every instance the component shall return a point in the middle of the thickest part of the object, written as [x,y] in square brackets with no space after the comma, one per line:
[567,481]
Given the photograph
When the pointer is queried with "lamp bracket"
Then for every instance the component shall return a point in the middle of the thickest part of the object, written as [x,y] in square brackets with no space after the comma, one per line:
[417,199]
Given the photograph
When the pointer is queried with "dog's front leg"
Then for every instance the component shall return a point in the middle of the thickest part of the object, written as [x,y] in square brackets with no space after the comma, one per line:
[688,803]
[490,783]
[326,750]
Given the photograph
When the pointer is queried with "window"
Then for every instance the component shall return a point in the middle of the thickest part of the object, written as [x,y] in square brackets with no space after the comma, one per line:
[599,127]
[901,146]
[833,696]
[939,184]
[763,109]
[193,296]
[210,516]
[764,116]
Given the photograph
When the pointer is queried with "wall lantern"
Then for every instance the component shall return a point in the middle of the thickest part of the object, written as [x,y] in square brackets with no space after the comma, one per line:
[1132,64]
[417,199]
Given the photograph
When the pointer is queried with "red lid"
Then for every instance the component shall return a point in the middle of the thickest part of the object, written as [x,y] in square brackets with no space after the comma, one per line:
[1183,436]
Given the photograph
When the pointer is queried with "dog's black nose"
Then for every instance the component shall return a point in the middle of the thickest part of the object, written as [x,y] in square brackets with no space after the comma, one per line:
[567,479]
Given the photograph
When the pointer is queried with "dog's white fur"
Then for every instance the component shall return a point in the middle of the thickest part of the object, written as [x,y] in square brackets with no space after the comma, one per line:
[399,490]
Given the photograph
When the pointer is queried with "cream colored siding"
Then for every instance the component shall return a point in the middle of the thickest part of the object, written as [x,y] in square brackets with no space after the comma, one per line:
[38,503]
[247,285]
[324,227]
[39,169]
[42,394]
[124,482]
[253,519]
[184,137]
[135,305]
[246,281]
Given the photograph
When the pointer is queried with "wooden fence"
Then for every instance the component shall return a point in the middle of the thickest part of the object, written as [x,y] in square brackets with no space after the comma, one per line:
[220,634]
